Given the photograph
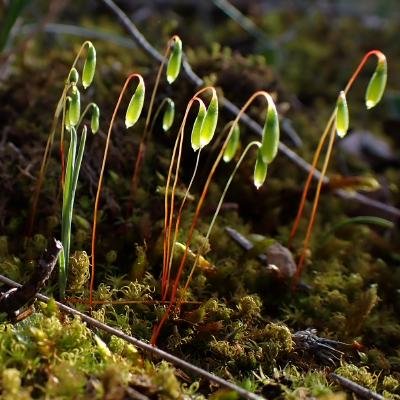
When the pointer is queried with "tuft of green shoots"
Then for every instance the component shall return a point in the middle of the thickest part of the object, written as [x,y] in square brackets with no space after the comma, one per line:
[260,170]
[169,115]
[210,121]
[89,67]
[175,60]
[270,136]
[342,115]
[198,122]
[377,84]
[74,161]
[233,144]
[135,105]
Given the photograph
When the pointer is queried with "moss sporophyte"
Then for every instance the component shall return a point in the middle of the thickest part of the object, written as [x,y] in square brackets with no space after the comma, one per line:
[337,123]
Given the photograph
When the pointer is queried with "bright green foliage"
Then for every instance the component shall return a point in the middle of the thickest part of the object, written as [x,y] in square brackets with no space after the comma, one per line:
[377,84]
[195,137]
[233,144]
[89,67]
[260,170]
[74,110]
[210,121]
[342,115]
[169,115]
[74,161]
[175,60]
[73,76]
[135,105]
[94,121]
[270,137]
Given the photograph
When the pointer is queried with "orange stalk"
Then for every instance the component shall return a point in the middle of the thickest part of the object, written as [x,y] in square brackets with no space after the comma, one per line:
[100,182]
[322,140]
[168,210]
[300,265]
[330,127]
[143,139]
[157,328]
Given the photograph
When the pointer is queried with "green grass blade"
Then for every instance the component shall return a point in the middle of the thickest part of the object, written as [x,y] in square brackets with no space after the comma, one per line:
[13,12]
[66,216]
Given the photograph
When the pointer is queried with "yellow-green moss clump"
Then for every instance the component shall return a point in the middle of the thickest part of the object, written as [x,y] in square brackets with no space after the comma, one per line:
[50,355]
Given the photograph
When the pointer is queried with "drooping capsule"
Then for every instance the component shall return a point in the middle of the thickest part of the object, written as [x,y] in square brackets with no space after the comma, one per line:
[175,60]
[210,121]
[377,84]
[74,109]
[342,115]
[198,122]
[73,76]
[89,67]
[233,144]
[260,170]
[94,121]
[270,137]
[135,105]
[169,115]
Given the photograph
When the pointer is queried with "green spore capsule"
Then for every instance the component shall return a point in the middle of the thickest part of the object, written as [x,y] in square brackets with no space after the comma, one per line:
[270,137]
[260,170]
[89,67]
[210,121]
[94,121]
[377,84]
[175,60]
[135,105]
[74,110]
[342,115]
[233,144]
[73,76]
[195,137]
[169,115]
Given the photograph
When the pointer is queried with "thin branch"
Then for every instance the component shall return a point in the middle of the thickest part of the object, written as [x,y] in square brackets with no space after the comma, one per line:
[378,208]
[144,346]
[356,388]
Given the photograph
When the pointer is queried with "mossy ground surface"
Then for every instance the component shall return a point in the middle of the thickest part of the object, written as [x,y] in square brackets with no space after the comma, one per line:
[238,319]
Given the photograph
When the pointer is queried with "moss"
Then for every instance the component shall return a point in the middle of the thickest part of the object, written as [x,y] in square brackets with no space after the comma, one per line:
[249,306]
[238,321]
[360,375]
[78,272]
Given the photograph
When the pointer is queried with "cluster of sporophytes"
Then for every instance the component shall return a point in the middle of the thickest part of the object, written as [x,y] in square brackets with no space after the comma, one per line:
[203,131]
[338,123]
[69,112]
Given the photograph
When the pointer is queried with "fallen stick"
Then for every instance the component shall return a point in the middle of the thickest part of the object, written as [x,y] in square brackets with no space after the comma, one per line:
[144,346]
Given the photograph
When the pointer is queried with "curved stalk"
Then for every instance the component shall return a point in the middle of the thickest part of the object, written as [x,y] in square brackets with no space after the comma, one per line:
[168,211]
[310,226]
[177,223]
[100,182]
[158,327]
[142,144]
[322,140]
[221,200]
